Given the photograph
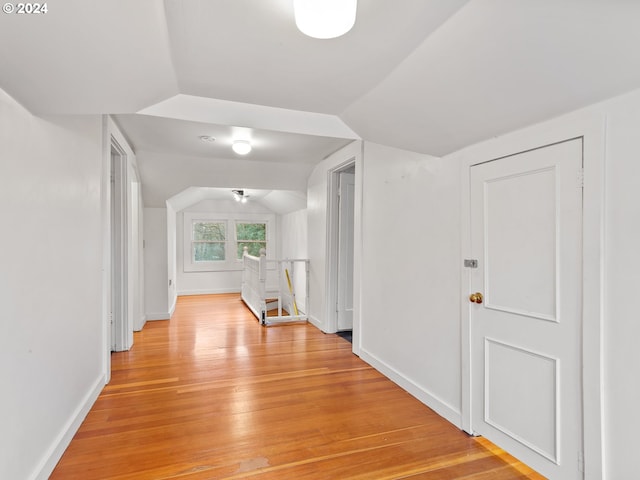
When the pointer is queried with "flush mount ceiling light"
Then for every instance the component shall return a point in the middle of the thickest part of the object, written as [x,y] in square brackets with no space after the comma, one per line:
[325,18]
[239,196]
[241,147]
[207,139]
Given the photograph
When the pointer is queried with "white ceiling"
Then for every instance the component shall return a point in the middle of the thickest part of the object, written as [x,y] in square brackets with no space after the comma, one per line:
[431,76]
[278,201]
[499,65]
[250,50]
[181,137]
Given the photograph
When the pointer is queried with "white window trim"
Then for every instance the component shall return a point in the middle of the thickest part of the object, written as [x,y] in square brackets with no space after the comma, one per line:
[229,219]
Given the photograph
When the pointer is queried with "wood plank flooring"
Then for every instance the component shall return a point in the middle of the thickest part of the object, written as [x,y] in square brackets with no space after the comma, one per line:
[213,395]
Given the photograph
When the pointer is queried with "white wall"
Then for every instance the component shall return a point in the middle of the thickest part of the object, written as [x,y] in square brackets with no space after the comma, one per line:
[155,264]
[51,363]
[406,274]
[171,256]
[622,281]
[589,126]
[141,289]
[317,234]
[136,264]
[196,283]
[293,244]
[293,235]
[611,330]
[410,305]
[163,233]
[410,327]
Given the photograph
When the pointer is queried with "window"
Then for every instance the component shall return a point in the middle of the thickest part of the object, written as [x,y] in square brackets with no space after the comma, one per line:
[208,244]
[214,242]
[250,235]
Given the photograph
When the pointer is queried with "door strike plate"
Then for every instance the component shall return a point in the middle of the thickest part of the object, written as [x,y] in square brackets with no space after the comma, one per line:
[470,263]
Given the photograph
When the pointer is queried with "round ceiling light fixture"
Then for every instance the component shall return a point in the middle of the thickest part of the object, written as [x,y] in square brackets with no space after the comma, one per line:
[325,19]
[207,138]
[241,147]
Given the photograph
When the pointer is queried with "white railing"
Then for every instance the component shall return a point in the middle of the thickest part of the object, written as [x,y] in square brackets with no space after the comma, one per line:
[274,285]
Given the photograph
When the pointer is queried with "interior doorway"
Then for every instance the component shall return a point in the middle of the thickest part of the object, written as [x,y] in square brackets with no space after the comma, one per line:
[341,247]
[119,322]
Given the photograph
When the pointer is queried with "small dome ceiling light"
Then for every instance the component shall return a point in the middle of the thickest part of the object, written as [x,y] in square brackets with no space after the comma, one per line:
[241,147]
[325,19]
[207,138]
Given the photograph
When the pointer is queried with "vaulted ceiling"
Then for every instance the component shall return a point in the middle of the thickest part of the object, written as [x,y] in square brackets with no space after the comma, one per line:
[431,76]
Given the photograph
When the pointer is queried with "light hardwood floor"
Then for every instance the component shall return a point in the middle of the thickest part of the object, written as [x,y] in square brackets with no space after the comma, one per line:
[213,395]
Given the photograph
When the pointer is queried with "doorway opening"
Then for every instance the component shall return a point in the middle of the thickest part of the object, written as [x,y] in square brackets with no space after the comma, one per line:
[119,322]
[341,247]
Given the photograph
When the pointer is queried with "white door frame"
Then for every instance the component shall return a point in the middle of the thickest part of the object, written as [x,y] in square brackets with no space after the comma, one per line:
[592,129]
[105,198]
[345,236]
[112,140]
[333,228]
[119,227]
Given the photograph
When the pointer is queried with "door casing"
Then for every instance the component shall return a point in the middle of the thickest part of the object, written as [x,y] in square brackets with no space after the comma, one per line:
[120,321]
[116,149]
[344,283]
[332,257]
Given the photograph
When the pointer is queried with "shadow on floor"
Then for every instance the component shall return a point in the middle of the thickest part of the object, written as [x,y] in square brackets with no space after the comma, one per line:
[347,335]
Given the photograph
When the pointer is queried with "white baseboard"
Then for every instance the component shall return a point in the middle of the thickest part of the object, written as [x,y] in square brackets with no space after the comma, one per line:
[440,407]
[173,306]
[152,317]
[60,444]
[140,324]
[208,291]
[316,323]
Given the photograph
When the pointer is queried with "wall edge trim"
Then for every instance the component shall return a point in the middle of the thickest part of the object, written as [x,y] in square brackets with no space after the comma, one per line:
[316,323]
[57,448]
[172,309]
[207,291]
[443,409]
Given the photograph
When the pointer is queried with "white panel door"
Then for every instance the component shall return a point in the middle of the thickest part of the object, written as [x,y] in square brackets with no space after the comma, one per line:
[526,229]
[345,251]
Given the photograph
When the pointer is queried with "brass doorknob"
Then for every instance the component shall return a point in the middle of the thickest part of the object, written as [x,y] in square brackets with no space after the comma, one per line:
[475,297]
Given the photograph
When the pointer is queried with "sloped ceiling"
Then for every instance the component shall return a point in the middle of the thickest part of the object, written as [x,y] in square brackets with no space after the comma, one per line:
[250,50]
[277,201]
[88,57]
[431,76]
[499,65]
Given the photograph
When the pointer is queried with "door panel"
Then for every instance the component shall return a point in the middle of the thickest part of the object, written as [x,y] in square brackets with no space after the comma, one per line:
[535,392]
[526,213]
[520,233]
[345,251]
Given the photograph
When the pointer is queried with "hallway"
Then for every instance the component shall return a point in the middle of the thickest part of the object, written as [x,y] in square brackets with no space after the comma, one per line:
[213,395]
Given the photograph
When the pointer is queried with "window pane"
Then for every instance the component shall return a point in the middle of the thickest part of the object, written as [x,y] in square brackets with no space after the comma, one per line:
[208,231]
[251,231]
[208,252]
[254,248]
